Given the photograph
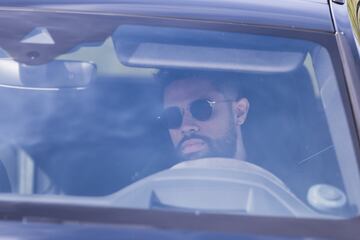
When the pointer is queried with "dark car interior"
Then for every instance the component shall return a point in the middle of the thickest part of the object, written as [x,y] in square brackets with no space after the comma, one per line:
[290,140]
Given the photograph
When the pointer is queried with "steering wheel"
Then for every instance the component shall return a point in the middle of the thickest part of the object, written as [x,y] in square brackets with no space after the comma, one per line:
[218,185]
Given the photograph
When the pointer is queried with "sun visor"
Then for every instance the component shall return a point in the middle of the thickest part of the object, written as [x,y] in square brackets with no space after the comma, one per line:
[163,47]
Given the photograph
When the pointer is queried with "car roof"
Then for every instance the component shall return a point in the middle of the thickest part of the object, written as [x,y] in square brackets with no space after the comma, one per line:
[299,14]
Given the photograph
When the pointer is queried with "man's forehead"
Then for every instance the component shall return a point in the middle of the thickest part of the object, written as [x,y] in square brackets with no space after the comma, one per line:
[188,89]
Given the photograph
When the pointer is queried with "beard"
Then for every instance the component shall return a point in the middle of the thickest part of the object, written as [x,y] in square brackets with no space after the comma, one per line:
[221,147]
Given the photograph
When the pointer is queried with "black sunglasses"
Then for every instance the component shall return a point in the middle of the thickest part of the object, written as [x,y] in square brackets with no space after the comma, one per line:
[201,109]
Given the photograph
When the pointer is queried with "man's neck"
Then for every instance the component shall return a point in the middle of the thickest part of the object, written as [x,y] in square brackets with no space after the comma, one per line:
[240,153]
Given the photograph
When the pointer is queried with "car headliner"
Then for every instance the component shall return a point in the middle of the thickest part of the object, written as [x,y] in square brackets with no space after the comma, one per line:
[298,14]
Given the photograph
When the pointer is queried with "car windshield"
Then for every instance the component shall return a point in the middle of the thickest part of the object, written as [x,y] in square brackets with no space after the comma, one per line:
[139,114]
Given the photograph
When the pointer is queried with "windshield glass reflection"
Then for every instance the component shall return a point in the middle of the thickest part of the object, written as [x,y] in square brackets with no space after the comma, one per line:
[256,118]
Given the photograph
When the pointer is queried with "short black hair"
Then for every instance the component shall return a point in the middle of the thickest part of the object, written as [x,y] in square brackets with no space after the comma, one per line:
[229,83]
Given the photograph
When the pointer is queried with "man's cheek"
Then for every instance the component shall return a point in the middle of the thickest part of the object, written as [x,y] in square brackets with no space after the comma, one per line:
[211,129]
[175,138]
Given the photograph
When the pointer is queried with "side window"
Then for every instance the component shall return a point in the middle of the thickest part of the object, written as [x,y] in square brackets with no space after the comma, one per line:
[358,15]
[357,30]
[354,11]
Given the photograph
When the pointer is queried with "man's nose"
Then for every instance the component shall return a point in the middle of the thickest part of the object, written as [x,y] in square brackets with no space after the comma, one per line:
[189,124]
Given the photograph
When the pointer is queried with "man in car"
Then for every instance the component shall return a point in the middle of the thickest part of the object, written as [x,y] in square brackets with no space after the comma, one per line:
[204,112]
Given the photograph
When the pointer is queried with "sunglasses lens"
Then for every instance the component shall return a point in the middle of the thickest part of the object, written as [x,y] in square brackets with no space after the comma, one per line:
[172,117]
[201,109]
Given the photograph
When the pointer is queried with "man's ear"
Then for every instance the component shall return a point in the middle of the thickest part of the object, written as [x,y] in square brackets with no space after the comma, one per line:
[241,109]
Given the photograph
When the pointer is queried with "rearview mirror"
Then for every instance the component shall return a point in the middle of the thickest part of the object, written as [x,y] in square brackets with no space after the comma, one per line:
[53,75]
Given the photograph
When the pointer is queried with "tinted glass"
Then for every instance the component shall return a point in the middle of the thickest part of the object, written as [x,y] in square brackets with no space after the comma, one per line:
[271,139]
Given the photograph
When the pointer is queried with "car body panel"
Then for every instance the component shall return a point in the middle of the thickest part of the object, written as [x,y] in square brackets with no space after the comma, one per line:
[300,14]
[37,218]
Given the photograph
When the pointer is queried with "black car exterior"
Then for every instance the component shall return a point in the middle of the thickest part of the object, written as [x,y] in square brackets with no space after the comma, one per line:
[320,21]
